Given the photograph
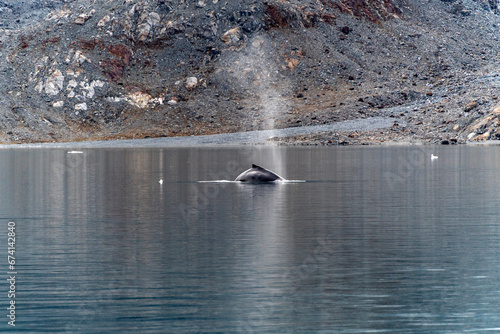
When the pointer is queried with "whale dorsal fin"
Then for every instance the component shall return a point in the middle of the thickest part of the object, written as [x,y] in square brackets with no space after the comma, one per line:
[255,166]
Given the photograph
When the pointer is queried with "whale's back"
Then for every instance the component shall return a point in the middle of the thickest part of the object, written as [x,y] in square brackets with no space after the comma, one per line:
[258,174]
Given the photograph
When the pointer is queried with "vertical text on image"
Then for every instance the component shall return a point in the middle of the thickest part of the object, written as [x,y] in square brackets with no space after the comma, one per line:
[11,273]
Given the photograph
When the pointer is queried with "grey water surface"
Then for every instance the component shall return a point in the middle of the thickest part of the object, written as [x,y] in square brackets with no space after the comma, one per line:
[377,240]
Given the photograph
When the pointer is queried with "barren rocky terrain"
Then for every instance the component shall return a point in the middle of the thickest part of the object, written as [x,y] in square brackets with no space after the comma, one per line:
[76,70]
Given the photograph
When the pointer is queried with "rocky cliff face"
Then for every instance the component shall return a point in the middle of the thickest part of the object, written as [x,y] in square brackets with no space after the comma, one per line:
[79,70]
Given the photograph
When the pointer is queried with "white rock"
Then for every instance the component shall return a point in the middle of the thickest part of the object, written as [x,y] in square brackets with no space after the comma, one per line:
[90,87]
[58,104]
[80,57]
[104,21]
[143,31]
[54,84]
[74,73]
[70,54]
[40,66]
[81,106]
[232,35]
[153,19]
[58,14]
[72,84]
[132,10]
[97,83]
[82,18]
[191,82]
[39,87]
[114,99]
[140,99]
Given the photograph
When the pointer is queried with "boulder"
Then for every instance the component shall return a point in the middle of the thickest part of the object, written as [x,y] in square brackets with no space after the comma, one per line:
[191,83]
[485,128]
[104,21]
[81,106]
[231,36]
[82,18]
[54,83]
[471,106]
[139,99]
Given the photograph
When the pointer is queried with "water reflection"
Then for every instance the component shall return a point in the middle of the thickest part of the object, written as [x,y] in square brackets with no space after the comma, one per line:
[263,208]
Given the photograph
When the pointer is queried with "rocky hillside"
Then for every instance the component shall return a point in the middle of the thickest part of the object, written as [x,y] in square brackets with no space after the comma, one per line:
[96,69]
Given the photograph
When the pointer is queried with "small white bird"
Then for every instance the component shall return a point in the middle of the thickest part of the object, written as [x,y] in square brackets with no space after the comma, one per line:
[433,157]
[161,181]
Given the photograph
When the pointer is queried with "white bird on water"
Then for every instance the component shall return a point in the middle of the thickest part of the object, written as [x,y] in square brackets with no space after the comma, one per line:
[433,157]
[161,181]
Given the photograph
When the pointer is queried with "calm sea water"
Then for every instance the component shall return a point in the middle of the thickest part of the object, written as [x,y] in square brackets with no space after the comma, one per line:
[378,240]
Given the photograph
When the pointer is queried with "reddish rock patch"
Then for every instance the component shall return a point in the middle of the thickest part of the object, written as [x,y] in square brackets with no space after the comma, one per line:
[275,18]
[121,51]
[375,11]
[91,44]
[113,69]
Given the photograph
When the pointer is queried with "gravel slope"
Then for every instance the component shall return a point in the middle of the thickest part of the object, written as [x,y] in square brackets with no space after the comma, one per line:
[79,70]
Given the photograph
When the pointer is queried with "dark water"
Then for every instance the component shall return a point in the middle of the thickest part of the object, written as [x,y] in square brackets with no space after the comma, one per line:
[379,240]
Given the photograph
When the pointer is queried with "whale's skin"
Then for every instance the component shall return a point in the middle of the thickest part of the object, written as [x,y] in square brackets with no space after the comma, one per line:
[258,174]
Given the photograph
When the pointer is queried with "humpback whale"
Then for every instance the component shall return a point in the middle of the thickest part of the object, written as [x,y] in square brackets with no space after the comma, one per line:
[258,174]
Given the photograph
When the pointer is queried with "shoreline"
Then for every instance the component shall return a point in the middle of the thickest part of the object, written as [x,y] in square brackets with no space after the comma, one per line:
[313,135]
[256,137]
